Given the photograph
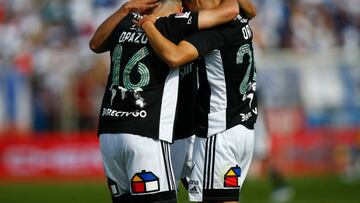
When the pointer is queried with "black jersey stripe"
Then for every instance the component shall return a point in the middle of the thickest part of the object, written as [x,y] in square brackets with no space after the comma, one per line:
[208,175]
[205,164]
[209,158]
[213,160]
[171,172]
[164,157]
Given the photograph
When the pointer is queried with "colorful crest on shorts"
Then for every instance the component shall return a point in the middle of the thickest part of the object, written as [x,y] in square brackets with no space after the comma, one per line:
[144,182]
[232,177]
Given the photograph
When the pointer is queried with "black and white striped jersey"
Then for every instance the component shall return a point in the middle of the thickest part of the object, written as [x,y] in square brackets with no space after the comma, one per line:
[227,77]
[141,93]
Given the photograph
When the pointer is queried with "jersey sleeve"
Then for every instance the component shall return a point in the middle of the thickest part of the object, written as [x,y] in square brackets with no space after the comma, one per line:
[176,26]
[206,40]
[188,21]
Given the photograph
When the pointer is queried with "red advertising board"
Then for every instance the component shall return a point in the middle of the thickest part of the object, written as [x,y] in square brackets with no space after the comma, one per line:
[69,155]
[316,151]
[59,155]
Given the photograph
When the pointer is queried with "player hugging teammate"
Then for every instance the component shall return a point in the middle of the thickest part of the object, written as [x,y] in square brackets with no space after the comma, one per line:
[157,93]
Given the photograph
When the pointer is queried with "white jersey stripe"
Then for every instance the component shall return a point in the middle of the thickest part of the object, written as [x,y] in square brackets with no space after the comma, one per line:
[168,106]
[218,100]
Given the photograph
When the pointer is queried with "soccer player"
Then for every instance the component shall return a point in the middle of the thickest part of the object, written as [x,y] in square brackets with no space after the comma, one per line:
[182,148]
[138,109]
[227,107]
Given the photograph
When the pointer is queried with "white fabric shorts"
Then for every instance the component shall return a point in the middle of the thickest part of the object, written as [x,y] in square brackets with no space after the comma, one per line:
[181,158]
[220,165]
[138,168]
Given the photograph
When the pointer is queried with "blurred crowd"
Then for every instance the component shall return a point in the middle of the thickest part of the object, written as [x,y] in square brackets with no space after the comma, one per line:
[50,80]
[308,25]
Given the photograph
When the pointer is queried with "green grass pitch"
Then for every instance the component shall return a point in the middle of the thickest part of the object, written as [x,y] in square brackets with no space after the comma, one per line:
[307,190]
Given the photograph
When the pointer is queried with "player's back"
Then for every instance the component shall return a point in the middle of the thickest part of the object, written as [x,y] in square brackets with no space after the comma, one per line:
[141,94]
[228,79]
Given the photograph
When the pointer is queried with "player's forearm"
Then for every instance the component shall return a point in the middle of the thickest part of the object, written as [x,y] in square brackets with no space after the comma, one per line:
[247,8]
[100,41]
[165,49]
[225,12]
[171,54]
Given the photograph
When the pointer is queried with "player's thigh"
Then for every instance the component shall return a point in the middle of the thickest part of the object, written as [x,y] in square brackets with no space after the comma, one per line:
[149,156]
[112,153]
[233,155]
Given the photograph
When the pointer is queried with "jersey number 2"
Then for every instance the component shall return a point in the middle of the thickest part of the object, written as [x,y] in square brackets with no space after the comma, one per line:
[245,49]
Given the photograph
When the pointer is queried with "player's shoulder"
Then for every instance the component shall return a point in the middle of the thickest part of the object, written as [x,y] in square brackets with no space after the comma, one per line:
[134,16]
[128,20]
[178,17]
[234,26]
[180,22]
[181,15]
[240,21]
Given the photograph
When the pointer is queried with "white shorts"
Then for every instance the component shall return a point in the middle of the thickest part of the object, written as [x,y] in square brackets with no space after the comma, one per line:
[138,168]
[220,165]
[181,158]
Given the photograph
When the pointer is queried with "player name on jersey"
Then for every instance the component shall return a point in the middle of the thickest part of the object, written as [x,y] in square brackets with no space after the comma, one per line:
[133,37]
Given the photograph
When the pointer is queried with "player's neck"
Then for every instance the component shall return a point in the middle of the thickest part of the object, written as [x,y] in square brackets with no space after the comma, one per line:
[165,10]
[209,4]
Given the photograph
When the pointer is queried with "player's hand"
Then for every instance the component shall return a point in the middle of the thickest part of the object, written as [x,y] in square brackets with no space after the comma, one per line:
[145,19]
[139,6]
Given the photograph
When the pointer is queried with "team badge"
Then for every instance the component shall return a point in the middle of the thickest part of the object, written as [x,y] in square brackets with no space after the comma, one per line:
[232,177]
[144,182]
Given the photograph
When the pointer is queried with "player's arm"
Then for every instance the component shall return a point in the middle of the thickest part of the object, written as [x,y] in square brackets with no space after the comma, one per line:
[174,55]
[247,8]
[225,12]
[99,43]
